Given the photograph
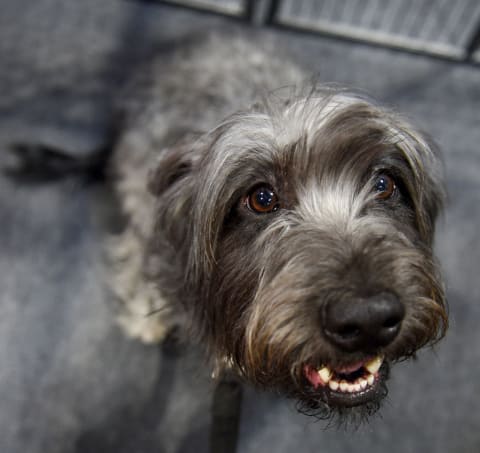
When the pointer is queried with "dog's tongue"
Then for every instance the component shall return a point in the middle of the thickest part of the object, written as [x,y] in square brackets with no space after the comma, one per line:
[350,368]
[312,376]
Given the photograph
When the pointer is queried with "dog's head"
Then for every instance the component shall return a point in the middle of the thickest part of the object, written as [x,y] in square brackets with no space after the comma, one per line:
[306,233]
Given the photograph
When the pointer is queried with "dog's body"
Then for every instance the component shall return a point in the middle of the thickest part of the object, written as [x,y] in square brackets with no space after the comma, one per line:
[293,235]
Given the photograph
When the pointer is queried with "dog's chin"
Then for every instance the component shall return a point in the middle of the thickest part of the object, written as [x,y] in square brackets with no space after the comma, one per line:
[348,394]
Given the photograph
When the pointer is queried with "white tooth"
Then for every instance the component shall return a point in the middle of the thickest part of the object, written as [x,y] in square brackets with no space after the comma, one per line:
[357,387]
[363,383]
[333,384]
[325,374]
[370,379]
[374,365]
[351,388]
[344,386]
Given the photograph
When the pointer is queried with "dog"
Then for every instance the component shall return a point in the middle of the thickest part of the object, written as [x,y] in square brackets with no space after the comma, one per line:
[288,230]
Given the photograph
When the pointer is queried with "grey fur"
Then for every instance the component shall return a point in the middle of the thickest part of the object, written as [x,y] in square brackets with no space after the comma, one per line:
[217,118]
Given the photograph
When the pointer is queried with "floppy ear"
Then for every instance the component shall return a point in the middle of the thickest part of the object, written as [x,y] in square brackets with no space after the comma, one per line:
[427,190]
[173,164]
[173,181]
[432,200]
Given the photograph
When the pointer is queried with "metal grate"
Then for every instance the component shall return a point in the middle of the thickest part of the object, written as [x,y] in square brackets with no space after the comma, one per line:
[230,7]
[440,27]
[445,28]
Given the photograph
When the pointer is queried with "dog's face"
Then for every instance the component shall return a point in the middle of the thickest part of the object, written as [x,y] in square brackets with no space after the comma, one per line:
[308,246]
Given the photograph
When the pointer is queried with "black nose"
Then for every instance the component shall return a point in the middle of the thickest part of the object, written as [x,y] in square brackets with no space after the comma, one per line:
[363,324]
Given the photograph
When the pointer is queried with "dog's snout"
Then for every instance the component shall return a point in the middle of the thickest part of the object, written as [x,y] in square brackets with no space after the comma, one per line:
[363,324]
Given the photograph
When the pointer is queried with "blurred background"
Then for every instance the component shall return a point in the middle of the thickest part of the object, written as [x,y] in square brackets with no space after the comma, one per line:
[69,380]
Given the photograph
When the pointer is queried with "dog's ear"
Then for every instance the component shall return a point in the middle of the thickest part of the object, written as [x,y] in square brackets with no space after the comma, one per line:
[172,181]
[173,164]
[427,187]
[432,200]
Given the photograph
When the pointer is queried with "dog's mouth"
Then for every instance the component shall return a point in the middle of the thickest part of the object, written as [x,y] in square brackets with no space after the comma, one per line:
[350,385]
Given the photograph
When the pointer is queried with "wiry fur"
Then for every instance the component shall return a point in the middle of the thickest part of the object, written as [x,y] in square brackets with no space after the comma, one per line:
[254,286]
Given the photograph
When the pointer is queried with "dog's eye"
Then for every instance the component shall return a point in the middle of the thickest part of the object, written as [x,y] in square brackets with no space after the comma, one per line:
[384,187]
[262,200]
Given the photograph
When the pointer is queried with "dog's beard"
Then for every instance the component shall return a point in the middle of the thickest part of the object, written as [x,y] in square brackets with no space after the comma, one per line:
[310,403]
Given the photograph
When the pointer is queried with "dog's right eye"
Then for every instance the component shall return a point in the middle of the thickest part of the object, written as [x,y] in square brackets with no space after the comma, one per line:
[384,187]
[262,200]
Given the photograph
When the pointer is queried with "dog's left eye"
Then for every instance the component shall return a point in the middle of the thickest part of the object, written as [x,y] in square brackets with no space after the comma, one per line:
[384,187]
[262,200]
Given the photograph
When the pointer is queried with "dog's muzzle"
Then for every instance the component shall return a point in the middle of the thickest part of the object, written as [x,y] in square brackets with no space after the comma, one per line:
[359,325]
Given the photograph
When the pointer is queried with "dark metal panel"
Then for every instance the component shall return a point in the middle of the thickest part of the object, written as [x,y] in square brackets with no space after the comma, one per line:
[439,27]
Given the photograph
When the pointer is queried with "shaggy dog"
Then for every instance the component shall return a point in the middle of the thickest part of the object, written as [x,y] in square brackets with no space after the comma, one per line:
[289,230]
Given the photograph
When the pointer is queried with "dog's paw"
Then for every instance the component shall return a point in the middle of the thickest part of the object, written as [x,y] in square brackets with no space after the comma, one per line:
[146,315]
[149,329]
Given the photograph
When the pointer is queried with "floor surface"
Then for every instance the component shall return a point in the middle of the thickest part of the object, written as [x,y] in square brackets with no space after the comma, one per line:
[69,381]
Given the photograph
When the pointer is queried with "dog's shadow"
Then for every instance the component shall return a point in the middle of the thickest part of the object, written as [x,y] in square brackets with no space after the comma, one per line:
[128,428]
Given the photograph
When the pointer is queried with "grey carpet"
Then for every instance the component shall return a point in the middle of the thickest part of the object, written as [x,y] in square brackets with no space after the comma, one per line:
[69,381]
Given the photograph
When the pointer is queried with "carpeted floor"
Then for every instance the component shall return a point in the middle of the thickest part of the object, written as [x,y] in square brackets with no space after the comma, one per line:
[70,382]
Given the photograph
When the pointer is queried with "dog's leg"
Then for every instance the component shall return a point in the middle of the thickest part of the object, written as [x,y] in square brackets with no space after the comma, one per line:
[144,313]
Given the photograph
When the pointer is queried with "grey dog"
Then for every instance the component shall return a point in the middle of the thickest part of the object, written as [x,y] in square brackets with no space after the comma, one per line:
[289,230]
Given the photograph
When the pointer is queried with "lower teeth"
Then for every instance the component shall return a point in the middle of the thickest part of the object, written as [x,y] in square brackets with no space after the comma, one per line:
[347,387]
[356,386]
